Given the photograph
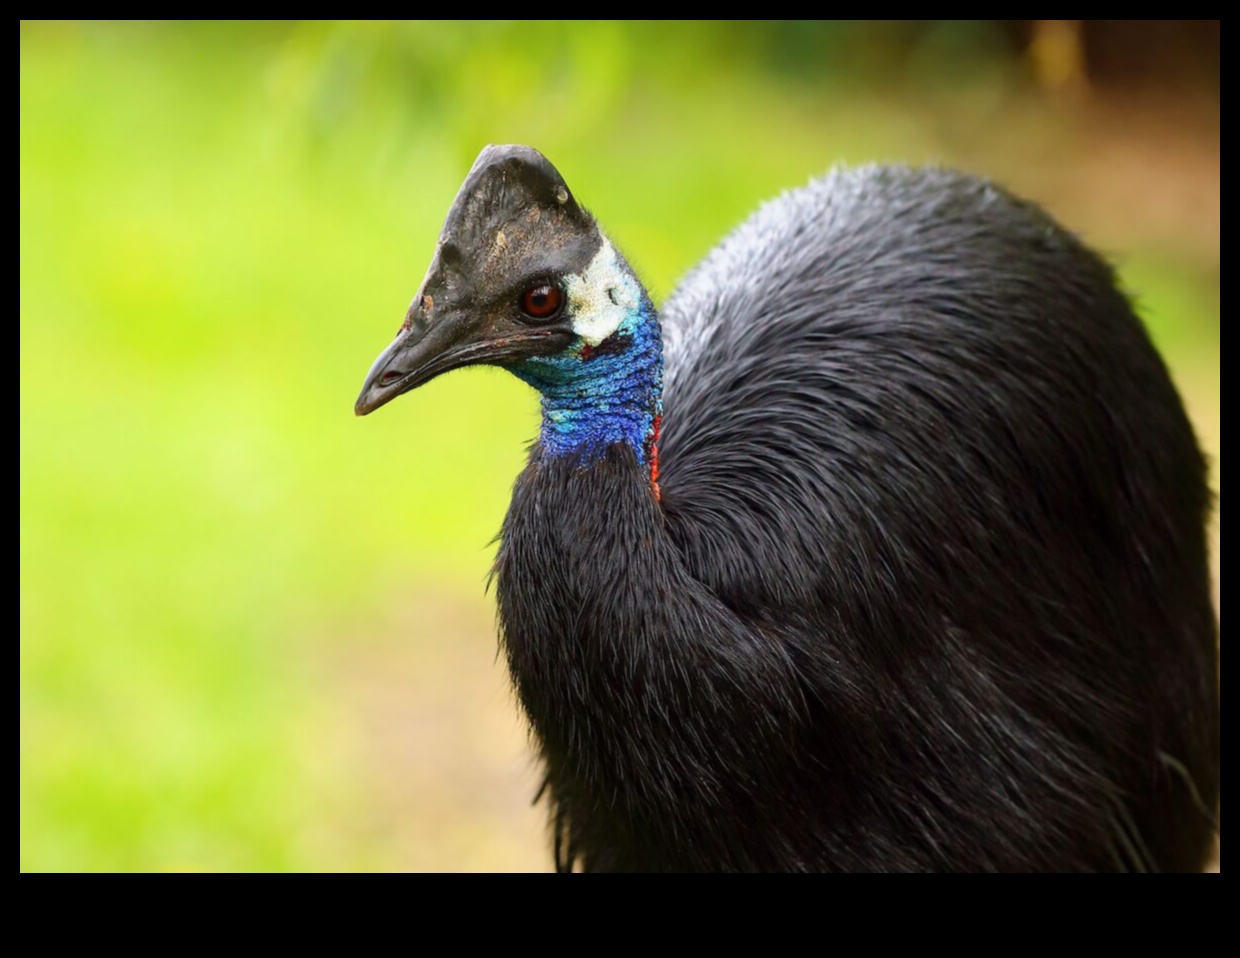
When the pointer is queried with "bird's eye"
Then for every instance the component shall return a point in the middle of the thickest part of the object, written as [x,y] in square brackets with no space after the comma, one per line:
[542,301]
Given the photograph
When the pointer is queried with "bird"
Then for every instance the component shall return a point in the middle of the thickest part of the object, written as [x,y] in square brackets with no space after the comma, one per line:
[881,546]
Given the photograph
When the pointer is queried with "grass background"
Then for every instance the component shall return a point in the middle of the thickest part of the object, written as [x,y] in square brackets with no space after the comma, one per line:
[253,628]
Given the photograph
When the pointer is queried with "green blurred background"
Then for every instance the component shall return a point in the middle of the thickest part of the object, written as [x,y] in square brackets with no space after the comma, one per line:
[254,633]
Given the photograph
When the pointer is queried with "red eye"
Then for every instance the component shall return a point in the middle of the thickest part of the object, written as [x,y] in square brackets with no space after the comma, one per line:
[542,301]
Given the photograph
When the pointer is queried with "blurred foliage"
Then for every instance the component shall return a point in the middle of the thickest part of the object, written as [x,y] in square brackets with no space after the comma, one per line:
[220,227]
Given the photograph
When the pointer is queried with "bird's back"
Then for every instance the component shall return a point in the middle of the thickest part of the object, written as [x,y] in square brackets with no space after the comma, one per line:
[914,432]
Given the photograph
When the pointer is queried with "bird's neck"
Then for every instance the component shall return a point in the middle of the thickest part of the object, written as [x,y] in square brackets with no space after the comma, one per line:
[595,396]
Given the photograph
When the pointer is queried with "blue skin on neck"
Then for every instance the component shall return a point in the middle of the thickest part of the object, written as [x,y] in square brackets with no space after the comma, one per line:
[593,397]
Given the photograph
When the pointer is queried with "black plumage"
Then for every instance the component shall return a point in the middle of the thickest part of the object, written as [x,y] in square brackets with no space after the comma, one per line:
[913,576]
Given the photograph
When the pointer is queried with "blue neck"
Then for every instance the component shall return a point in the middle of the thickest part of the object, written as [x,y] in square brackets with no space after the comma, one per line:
[593,397]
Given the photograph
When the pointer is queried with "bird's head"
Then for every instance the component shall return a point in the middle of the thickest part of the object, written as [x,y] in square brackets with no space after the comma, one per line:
[522,278]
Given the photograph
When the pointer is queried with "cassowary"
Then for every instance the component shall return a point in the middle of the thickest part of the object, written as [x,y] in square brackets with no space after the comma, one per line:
[881,547]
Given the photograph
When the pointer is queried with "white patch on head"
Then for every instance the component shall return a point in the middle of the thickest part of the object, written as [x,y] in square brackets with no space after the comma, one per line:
[601,296]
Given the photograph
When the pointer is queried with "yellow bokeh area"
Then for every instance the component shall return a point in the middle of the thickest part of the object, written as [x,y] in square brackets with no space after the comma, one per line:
[254,628]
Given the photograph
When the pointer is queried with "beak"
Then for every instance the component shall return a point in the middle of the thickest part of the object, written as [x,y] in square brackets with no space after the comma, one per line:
[424,349]
[419,353]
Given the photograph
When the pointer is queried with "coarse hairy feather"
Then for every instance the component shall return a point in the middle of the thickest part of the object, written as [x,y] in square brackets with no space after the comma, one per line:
[927,586]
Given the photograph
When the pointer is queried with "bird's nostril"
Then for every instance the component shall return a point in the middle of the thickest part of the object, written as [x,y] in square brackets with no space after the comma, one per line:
[389,377]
